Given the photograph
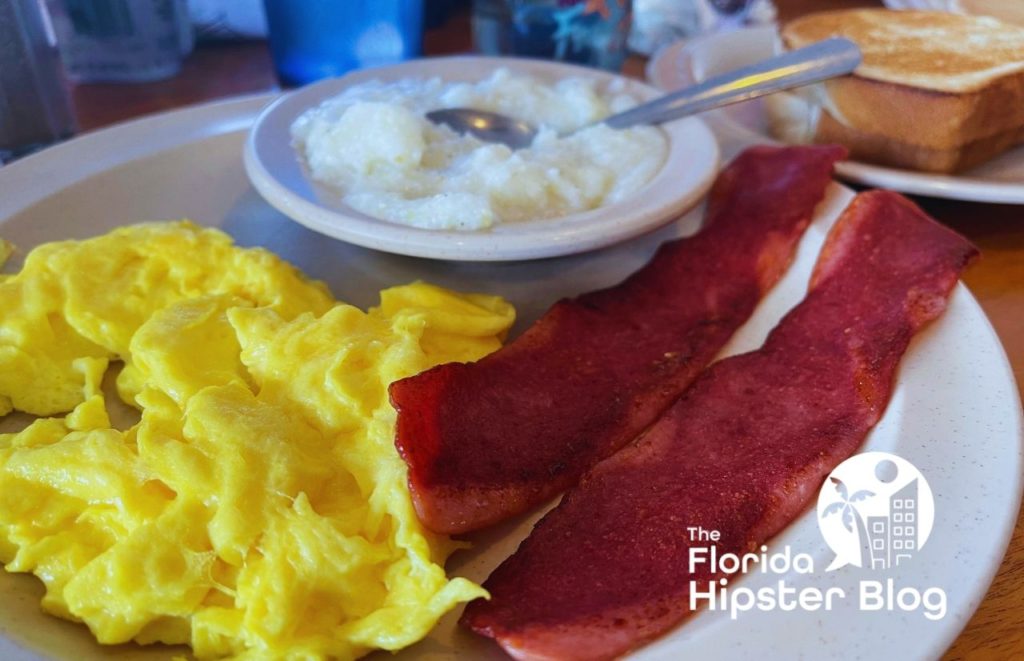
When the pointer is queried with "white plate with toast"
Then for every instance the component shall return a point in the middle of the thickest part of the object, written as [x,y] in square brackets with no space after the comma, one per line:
[999,180]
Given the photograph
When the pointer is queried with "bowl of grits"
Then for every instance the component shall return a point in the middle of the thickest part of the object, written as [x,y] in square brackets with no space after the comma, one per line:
[355,158]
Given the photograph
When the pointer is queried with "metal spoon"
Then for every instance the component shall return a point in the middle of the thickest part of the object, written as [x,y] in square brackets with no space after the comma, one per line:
[820,61]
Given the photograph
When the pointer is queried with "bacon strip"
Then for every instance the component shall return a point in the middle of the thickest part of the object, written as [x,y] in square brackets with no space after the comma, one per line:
[488,440]
[743,451]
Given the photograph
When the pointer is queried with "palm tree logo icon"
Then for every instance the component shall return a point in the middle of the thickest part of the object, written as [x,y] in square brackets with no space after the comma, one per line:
[875,511]
[852,518]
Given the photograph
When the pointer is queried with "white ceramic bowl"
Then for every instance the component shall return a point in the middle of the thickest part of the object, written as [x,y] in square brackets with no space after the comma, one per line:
[276,171]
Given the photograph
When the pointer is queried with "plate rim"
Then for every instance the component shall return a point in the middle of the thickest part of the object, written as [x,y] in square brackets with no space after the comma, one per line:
[30,179]
[658,72]
[654,205]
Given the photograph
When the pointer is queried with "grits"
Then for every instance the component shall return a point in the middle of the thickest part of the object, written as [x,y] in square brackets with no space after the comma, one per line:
[373,143]
[258,508]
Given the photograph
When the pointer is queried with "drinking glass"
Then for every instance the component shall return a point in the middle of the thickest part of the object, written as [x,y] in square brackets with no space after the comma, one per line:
[314,39]
[122,41]
[657,23]
[35,107]
[589,32]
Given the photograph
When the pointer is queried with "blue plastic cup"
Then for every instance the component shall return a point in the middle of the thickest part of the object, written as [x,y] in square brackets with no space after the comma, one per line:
[314,39]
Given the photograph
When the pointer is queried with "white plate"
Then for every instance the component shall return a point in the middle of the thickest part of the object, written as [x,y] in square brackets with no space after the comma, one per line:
[955,413]
[277,173]
[683,63]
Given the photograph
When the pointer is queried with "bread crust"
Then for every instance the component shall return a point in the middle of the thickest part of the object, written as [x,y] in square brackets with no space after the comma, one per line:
[926,118]
[870,147]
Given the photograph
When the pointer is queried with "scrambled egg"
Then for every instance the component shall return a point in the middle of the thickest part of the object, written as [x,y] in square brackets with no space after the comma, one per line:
[258,508]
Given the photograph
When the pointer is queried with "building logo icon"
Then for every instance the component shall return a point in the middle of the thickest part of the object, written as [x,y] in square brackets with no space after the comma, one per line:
[875,511]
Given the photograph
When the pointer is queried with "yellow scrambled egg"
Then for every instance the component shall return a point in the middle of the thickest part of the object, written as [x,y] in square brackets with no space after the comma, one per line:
[259,507]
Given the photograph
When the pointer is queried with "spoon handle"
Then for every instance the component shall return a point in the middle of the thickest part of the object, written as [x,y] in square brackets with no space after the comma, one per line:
[810,64]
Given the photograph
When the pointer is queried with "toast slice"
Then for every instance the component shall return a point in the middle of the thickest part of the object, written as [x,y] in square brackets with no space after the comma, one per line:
[936,91]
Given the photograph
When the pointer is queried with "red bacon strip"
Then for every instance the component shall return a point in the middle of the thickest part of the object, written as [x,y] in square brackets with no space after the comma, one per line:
[488,440]
[743,451]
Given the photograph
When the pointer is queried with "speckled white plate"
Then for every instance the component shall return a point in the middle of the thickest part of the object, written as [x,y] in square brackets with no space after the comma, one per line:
[955,413]
[683,63]
[277,173]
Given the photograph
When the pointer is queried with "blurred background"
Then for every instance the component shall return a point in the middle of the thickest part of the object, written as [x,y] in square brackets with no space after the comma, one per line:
[75,65]
[70,66]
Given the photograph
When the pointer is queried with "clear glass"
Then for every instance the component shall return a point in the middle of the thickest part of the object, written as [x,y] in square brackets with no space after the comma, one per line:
[657,23]
[314,39]
[35,107]
[122,41]
[589,32]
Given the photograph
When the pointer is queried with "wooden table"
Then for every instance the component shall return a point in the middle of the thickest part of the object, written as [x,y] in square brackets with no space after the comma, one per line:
[997,629]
